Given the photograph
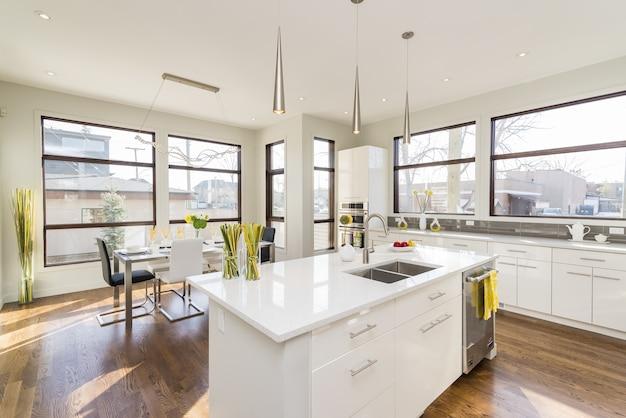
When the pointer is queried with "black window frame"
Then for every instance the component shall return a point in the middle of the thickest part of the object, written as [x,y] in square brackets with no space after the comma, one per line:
[331,203]
[210,170]
[269,175]
[397,167]
[550,151]
[53,157]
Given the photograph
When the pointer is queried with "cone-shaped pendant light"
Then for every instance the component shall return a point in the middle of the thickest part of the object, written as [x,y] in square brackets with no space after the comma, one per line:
[406,136]
[279,83]
[356,107]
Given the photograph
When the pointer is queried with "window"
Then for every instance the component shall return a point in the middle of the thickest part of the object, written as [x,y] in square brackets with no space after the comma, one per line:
[204,178]
[98,182]
[442,160]
[323,194]
[275,190]
[563,161]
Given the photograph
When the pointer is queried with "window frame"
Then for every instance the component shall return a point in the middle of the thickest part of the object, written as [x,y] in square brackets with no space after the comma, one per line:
[549,151]
[52,157]
[210,170]
[397,168]
[331,200]
[269,176]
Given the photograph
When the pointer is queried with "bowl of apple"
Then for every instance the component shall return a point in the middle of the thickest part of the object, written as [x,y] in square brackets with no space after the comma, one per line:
[403,246]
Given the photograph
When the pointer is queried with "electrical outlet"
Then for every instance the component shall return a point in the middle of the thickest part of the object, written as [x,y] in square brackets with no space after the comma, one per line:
[616,231]
[469,223]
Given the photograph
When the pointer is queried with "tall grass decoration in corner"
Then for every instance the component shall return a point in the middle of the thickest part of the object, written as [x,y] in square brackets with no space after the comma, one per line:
[23,217]
[252,234]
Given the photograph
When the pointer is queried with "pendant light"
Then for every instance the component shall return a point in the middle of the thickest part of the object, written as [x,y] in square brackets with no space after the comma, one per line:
[279,83]
[356,107]
[406,138]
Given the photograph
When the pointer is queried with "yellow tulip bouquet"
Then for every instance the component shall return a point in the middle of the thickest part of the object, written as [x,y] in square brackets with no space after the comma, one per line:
[197,221]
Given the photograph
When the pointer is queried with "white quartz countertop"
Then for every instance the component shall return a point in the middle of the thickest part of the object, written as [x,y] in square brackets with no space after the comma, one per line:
[586,245]
[297,296]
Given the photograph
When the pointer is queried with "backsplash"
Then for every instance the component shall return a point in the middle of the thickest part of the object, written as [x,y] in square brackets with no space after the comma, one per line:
[522,229]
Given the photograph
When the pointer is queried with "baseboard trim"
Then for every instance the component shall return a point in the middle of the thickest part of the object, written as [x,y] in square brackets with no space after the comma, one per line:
[567,322]
[44,291]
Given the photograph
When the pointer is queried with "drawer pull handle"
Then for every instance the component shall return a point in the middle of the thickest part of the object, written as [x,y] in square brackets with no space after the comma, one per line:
[369,364]
[608,278]
[527,267]
[517,251]
[506,264]
[368,328]
[437,295]
[459,245]
[592,259]
[432,324]
[573,273]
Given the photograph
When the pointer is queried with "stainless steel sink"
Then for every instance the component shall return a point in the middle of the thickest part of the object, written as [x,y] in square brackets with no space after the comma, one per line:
[393,272]
[406,268]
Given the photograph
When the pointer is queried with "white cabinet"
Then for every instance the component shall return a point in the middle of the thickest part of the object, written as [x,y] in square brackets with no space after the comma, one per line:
[609,298]
[571,292]
[383,406]
[534,285]
[428,357]
[348,384]
[479,247]
[362,177]
[507,280]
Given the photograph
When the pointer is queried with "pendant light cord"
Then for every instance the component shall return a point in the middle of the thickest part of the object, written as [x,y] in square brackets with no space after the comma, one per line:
[407,65]
[156,96]
[356,36]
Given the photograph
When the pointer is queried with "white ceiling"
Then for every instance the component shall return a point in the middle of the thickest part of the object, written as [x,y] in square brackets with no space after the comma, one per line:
[117,49]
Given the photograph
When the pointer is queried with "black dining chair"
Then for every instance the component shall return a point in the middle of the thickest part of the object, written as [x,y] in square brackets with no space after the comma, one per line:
[115,280]
[269,234]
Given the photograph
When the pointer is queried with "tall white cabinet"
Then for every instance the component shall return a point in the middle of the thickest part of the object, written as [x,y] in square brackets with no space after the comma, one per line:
[363,177]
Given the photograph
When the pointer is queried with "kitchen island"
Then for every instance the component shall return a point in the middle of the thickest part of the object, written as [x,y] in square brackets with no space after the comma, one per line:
[315,338]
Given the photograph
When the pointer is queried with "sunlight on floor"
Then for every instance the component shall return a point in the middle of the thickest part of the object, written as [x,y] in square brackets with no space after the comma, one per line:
[551,408]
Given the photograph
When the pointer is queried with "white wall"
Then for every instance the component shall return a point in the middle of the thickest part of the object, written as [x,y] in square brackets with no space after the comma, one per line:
[586,82]
[20,166]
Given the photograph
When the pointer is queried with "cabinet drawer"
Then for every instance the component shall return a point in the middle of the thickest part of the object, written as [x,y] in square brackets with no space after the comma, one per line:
[521,251]
[609,299]
[383,406]
[534,285]
[423,300]
[341,388]
[341,336]
[428,357]
[466,244]
[571,292]
[589,258]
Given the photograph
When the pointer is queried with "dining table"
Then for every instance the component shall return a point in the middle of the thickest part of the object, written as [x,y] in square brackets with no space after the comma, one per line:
[160,254]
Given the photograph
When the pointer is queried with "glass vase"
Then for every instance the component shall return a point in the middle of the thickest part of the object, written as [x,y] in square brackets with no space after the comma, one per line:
[251,264]
[25,287]
[230,264]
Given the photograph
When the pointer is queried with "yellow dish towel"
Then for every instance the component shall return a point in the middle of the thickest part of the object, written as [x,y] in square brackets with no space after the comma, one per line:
[477,301]
[491,295]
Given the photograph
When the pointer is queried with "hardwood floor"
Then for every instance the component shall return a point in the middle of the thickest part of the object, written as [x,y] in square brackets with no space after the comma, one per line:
[56,361]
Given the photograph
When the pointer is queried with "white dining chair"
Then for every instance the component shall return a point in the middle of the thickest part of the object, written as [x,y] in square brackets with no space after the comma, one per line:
[185,260]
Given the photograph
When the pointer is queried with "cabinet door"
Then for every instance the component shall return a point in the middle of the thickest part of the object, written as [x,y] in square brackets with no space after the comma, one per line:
[507,280]
[428,357]
[344,167]
[571,292]
[479,247]
[360,174]
[534,285]
[609,298]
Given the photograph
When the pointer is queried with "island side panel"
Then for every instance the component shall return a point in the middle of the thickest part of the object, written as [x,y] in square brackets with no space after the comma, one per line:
[250,375]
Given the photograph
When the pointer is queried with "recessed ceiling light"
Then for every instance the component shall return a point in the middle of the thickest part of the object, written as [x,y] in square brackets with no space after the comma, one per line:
[51,73]
[384,99]
[301,98]
[522,54]
[445,80]
[253,118]
[345,113]
[43,15]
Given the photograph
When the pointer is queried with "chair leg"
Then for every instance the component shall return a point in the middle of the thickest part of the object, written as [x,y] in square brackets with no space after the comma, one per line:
[186,297]
[101,316]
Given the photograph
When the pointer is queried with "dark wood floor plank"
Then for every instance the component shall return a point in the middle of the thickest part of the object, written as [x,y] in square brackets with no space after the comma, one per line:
[56,361]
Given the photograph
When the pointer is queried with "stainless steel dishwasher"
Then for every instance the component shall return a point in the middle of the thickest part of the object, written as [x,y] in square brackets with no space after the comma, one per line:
[479,339]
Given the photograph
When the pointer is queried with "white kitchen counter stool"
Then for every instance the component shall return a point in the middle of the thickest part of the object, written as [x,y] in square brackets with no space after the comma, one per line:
[185,260]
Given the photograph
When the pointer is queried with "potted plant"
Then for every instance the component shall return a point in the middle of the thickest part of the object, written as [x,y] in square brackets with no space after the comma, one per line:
[23,216]
[197,221]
